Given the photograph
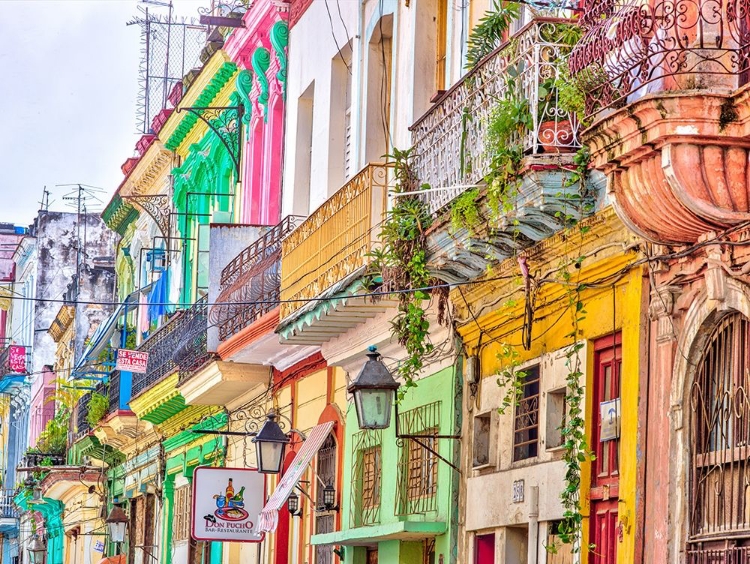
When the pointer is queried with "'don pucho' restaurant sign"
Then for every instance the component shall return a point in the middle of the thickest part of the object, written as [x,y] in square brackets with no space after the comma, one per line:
[226,504]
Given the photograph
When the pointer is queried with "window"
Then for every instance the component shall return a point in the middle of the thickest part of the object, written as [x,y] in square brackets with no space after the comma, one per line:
[720,507]
[556,413]
[303,152]
[526,424]
[562,553]
[181,513]
[368,468]
[441,47]
[483,451]
[326,473]
[418,462]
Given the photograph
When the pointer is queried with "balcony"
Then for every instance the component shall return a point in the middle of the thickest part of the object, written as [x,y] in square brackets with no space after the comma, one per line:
[631,49]
[451,140]
[334,241]
[670,129]
[251,282]
[179,345]
[8,509]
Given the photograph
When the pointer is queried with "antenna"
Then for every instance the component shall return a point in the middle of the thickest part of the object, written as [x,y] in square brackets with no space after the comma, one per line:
[170,47]
[44,204]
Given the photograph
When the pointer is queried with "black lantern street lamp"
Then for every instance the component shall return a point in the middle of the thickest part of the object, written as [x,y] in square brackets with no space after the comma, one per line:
[37,551]
[292,504]
[270,444]
[374,391]
[329,498]
[117,521]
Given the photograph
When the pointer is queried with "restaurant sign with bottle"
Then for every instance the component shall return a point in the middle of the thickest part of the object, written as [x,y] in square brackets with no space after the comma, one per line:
[226,504]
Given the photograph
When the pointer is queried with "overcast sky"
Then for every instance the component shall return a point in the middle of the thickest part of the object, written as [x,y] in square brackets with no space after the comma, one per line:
[68,88]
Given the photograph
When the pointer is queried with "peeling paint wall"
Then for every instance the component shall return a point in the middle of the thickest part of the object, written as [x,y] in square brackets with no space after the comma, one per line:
[58,240]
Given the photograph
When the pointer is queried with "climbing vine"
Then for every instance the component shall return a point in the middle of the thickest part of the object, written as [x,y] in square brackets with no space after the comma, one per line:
[401,263]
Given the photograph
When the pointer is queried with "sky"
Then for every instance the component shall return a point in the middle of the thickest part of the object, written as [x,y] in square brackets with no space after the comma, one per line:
[68,90]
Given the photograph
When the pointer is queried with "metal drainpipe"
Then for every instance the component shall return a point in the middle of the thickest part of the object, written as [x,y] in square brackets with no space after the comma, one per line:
[533,546]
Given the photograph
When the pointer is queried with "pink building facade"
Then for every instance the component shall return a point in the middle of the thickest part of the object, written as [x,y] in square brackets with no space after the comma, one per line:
[41,407]
[260,51]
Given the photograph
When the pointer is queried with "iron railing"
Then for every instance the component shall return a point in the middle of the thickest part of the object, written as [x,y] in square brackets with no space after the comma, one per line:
[452,141]
[721,434]
[43,459]
[730,555]
[250,284]
[367,474]
[180,344]
[416,490]
[192,353]
[631,48]
[335,240]
[8,509]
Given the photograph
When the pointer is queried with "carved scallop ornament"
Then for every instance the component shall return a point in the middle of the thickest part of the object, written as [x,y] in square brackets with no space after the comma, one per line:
[676,167]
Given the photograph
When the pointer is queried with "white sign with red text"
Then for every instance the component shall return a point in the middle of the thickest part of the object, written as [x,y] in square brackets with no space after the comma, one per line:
[226,504]
[132,361]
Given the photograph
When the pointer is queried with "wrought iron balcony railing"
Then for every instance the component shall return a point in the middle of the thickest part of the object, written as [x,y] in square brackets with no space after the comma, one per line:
[631,48]
[250,284]
[335,240]
[33,459]
[450,141]
[180,344]
[8,509]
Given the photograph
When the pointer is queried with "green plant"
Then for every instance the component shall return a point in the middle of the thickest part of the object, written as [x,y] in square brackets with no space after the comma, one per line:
[54,438]
[401,263]
[465,211]
[489,33]
[98,407]
[509,377]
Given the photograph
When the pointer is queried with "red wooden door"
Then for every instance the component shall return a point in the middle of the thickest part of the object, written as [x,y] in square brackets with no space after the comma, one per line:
[605,475]
[484,552]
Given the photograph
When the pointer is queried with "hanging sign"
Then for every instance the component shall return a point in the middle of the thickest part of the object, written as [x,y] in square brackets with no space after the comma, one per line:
[17,359]
[609,415]
[132,361]
[226,504]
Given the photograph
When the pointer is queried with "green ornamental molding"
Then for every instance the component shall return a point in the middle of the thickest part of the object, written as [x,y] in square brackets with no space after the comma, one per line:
[213,423]
[261,60]
[244,85]
[219,80]
[91,446]
[119,214]
[280,41]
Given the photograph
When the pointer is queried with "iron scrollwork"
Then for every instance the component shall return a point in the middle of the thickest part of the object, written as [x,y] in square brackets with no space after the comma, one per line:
[226,123]
[158,206]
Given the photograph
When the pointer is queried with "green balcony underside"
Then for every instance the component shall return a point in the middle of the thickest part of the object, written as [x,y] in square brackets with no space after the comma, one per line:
[168,409]
[364,536]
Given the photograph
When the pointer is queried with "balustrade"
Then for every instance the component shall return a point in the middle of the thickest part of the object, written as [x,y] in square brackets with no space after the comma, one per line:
[7,507]
[335,240]
[450,141]
[250,283]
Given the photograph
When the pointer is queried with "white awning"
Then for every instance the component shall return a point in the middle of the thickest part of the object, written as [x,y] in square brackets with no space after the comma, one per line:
[269,517]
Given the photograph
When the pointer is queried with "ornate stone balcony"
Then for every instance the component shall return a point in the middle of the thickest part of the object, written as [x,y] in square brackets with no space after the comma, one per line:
[450,140]
[334,241]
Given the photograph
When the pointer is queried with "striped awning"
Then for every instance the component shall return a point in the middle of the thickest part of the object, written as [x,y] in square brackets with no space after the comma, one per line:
[269,517]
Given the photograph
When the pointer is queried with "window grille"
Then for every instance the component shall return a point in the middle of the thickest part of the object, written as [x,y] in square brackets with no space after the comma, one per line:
[367,471]
[326,471]
[720,409]
[181,513]
[416,490]
[526,424]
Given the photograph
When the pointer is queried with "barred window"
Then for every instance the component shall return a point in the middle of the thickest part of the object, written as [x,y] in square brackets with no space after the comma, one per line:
[181,514]
[366,474]
[720,507]
[526,424]
[418,461]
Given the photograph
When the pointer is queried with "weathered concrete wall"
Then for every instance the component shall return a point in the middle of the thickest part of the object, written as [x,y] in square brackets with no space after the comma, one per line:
[58,239]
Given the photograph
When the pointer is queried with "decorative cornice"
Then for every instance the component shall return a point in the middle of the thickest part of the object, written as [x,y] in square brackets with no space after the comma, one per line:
[62,322]
[165,394]
[118,215]
[217,72]
[218,421]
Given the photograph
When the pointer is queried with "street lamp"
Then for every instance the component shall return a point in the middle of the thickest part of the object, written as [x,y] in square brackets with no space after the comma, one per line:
[329,498]
[292,504]
[270,443]
[37,551]
[117,521]
[374,391]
